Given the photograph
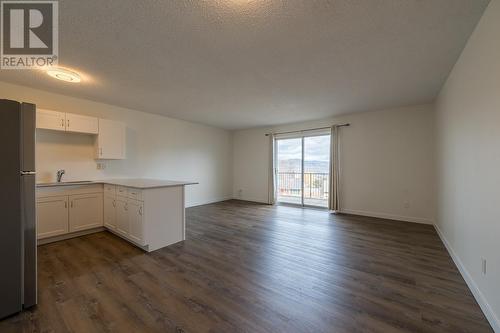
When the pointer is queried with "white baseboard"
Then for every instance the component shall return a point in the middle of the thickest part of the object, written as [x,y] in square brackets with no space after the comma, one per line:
[68,236]
[387,216]
[207,202]
[257,200]
[478,295]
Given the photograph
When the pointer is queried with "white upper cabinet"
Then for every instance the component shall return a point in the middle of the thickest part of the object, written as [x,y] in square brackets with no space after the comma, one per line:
[110,140]
[110,143]
[81,124]
[52,120]
[69,122]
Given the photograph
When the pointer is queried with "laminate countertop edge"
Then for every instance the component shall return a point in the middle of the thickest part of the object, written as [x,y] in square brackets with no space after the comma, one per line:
[143,184]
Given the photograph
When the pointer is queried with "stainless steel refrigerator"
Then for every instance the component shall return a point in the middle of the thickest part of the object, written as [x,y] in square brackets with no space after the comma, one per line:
[17,207]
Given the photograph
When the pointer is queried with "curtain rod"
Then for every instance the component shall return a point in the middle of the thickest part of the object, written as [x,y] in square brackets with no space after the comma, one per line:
[310,129]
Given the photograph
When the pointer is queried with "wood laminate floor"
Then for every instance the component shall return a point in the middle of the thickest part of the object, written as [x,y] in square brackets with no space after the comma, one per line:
[255,268]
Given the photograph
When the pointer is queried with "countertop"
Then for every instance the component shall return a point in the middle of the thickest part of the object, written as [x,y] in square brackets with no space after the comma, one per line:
[140,183]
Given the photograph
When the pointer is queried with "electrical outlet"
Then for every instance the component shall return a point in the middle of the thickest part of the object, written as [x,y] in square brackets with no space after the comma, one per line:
[101,166]
[483,266]
[240,193]
[407,204]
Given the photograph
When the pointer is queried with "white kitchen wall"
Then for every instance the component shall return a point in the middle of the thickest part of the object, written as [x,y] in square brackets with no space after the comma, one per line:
[157,147]
[387,161]
[468,156]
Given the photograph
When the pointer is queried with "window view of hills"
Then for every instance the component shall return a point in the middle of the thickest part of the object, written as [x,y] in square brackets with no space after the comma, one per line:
[295,165]
[316,154]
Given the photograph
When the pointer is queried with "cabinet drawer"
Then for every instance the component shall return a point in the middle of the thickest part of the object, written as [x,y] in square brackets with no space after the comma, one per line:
[121,191]
[109,190]
[133,193]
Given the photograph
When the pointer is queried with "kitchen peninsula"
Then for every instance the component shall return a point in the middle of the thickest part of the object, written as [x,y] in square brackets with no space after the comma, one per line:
[146,212]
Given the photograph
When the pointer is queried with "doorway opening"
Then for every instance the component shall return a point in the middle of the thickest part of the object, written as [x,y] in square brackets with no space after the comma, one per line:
[303,169]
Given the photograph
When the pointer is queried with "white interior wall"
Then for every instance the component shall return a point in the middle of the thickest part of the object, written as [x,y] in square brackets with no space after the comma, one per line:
[387,161]
[468,151]
[157,147]
[387,158]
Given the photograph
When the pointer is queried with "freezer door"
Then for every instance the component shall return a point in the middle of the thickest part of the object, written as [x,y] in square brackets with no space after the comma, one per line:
[28,126]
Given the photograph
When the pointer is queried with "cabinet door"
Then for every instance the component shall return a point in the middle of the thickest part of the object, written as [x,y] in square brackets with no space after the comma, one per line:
[81,124]
[52,216]
[109,212]
[122,225]
[52,120]
[85,211]
[111,140]
[135,213]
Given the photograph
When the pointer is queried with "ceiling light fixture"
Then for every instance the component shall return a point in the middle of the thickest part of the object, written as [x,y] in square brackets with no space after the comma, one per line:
[64,75]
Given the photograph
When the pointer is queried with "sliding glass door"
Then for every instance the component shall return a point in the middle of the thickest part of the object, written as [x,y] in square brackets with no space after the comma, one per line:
[302,170]
[316,170]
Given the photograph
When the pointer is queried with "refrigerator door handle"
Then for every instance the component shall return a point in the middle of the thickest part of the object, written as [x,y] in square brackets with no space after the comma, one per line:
[26,173]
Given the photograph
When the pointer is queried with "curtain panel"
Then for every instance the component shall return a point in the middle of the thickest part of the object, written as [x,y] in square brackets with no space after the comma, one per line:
[334,179]
[271,191]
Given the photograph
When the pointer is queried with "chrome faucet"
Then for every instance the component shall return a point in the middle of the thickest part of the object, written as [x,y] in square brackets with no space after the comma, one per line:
[60,173]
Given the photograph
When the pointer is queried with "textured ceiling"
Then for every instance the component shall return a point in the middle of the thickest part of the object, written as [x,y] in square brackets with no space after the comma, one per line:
[245,63]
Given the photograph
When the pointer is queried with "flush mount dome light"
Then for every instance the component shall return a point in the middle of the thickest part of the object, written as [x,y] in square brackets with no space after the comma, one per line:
[64,75]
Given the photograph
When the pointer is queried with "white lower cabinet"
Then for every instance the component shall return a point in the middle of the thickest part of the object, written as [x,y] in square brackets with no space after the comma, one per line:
[122,225]
[85,211]
[136,225]
[150,218]
[124,211]
[109,212]
[68,210]
[52,216]
[129,219]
